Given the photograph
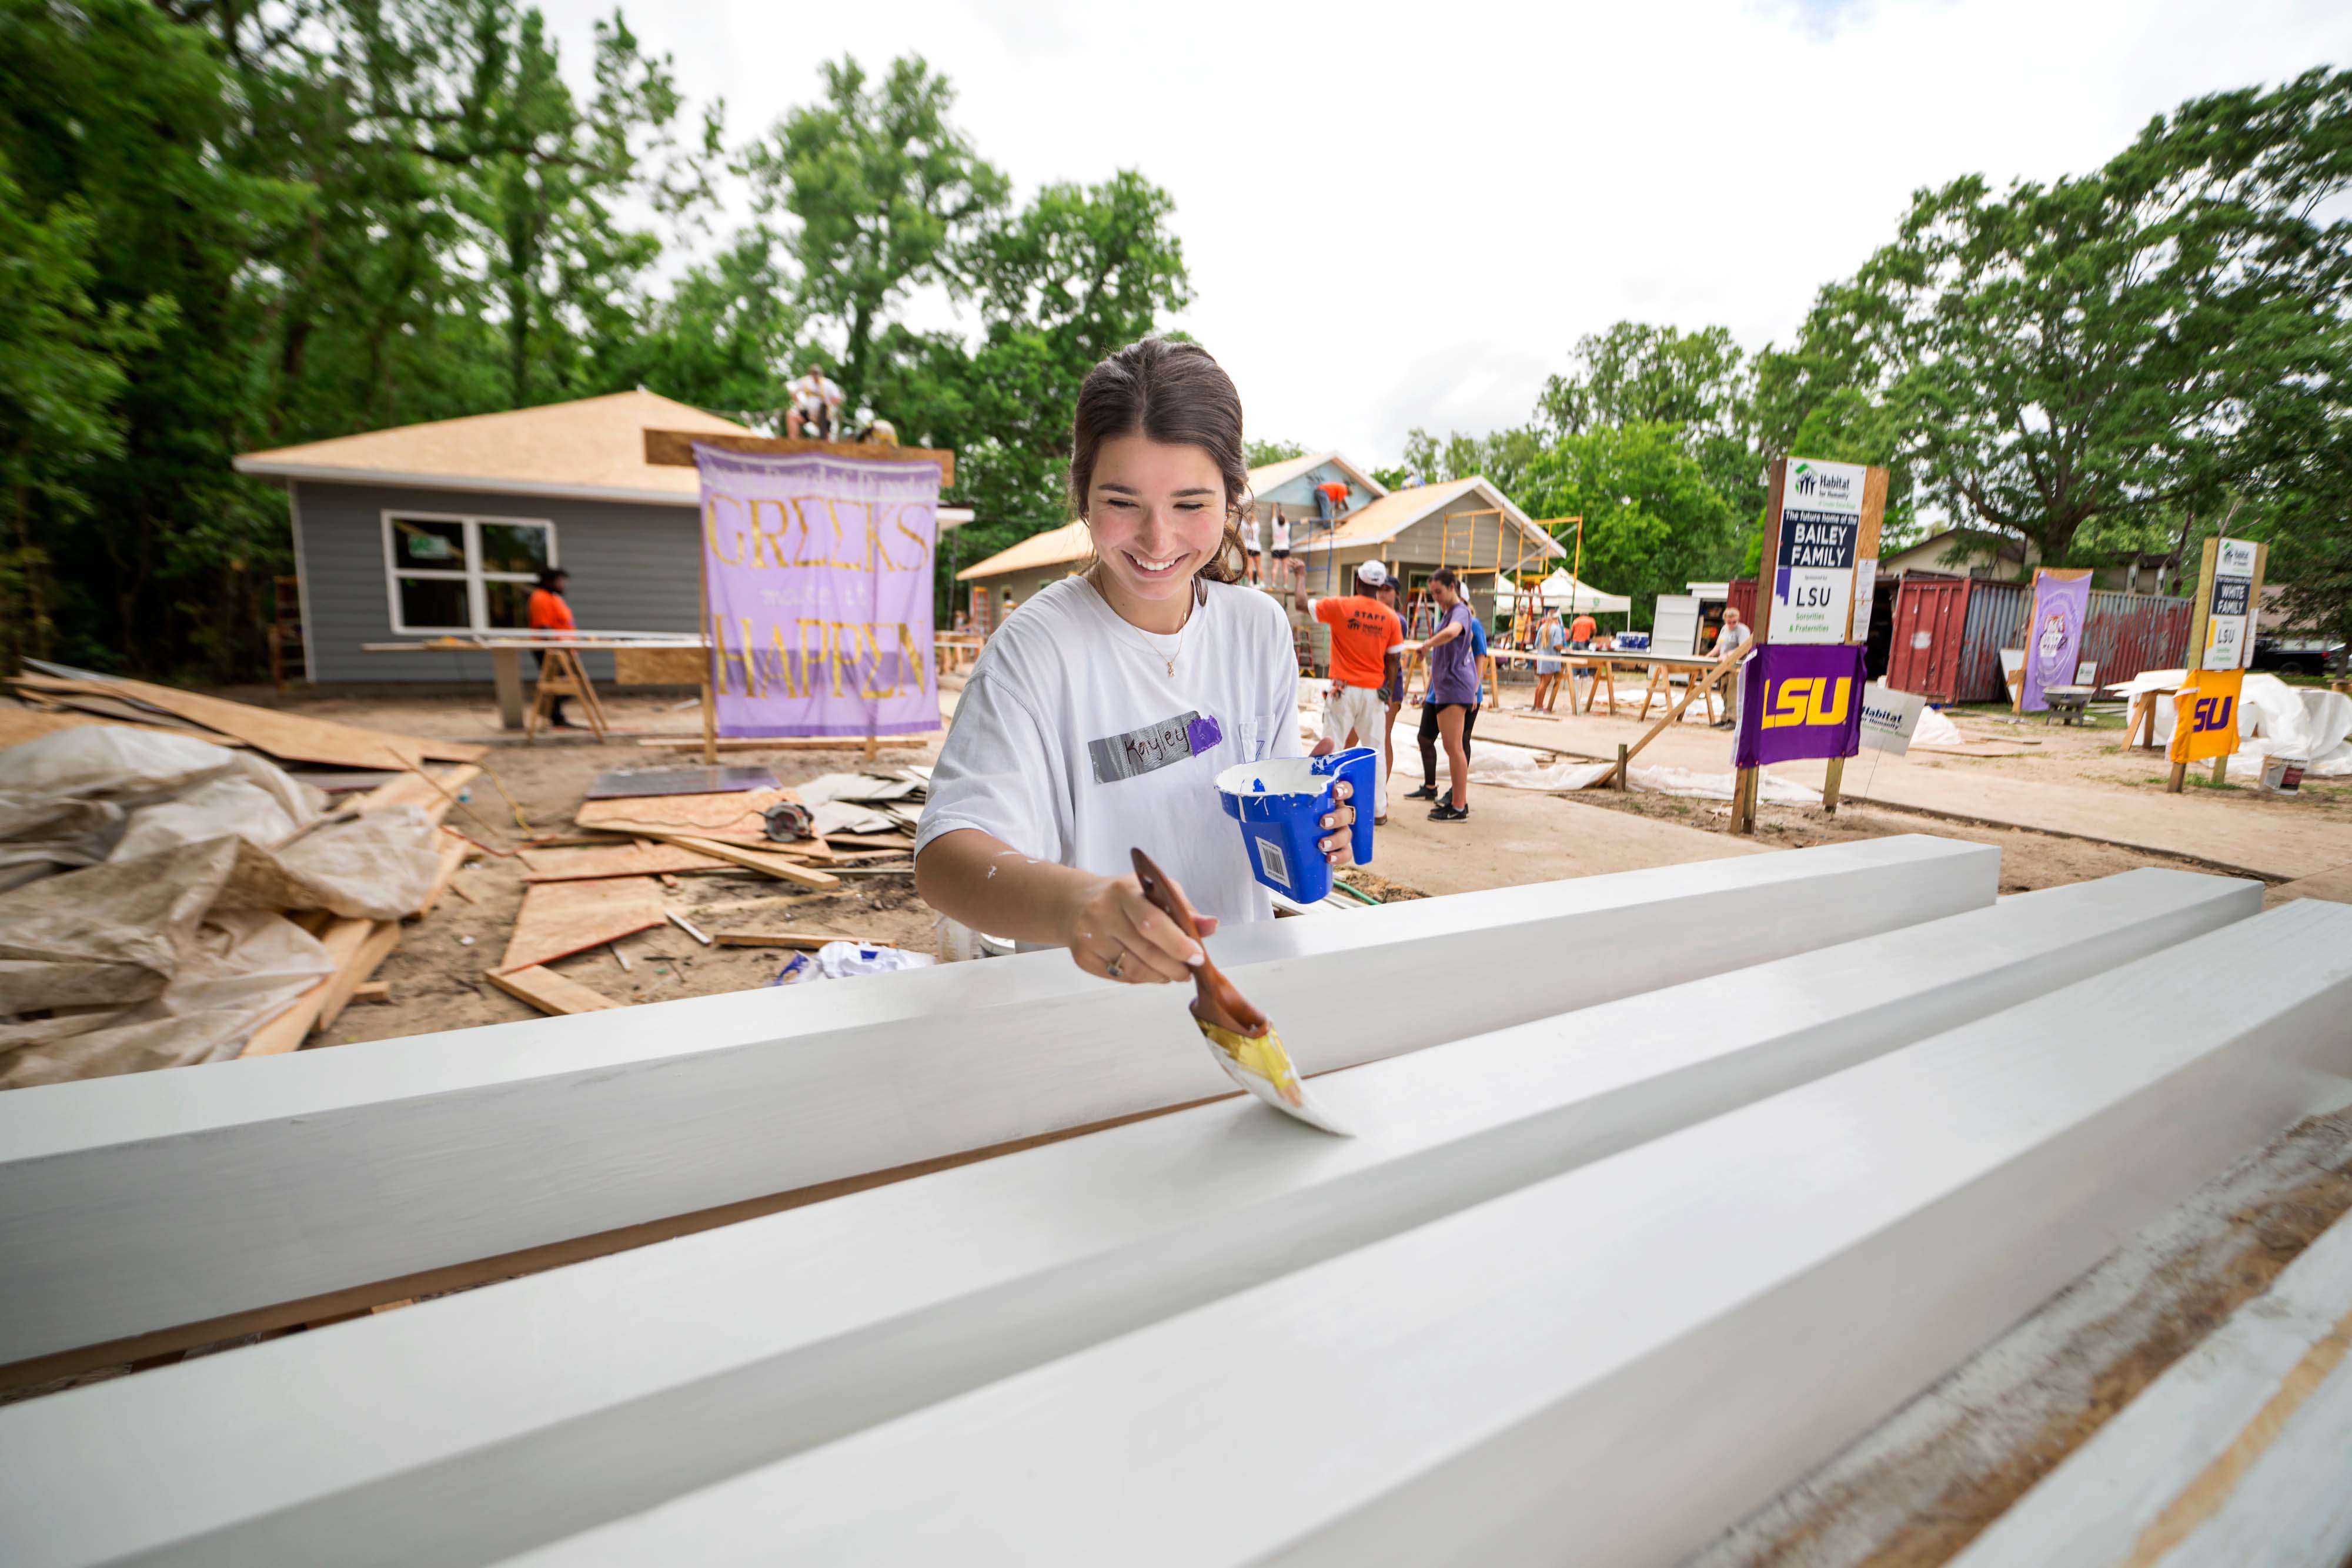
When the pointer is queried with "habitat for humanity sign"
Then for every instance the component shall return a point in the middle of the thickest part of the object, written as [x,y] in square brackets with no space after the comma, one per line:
[1821,528]
[818,570]
[2229,605]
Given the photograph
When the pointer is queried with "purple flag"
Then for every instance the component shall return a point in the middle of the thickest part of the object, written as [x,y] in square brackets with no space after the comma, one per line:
[2053,634]
[1800,700]
[819,574]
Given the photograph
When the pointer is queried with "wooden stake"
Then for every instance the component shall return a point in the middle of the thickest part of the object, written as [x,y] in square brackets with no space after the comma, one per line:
[2179,774]
[1830,783]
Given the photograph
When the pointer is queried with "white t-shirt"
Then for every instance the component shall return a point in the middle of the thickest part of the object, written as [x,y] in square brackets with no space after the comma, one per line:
[1281,531]
[1249,536]
[814,392]
[1072,744]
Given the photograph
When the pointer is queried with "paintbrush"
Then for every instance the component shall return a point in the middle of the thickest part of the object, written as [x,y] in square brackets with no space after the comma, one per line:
[1244,1044]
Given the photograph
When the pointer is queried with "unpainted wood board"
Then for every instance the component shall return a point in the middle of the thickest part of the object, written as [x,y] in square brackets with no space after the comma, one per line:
[1628,1357]
[872,841]
[561,919]
[347,941]
[290,737]
[660,666]
[824,743]
[454,852]
[805,940]
[899,1299]
[19,723]
[375,948]
[548,991]
[781,867]
[735,814]
[2171,1459]
[491,1141]
[615,860]
[674,448]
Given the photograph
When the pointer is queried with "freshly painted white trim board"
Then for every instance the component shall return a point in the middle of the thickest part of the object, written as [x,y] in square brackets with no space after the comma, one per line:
[153,1199]
[2093,1508]
[876,1304]
[1614,1363]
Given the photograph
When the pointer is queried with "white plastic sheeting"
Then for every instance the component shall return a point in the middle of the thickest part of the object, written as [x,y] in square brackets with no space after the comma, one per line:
[2274,719]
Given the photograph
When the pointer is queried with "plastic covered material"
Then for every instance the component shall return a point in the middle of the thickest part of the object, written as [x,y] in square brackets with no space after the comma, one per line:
[2274,719]
[1516,768]
[846,961]
[107,935]
[110,762]
[1936,729]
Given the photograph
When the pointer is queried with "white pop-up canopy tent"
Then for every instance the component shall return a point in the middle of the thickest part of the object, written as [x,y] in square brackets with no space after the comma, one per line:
[1561,590]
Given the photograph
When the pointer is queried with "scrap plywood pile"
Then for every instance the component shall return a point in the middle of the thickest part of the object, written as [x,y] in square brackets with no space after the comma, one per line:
[185,878]
[984,1263]
[643,828]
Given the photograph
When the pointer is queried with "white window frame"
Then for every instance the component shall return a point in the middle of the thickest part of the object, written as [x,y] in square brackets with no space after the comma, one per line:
[471,574]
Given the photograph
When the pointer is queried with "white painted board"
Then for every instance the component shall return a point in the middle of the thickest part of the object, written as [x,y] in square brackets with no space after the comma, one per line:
[2224,1395]
[141,1202]
[650,1373]
[1622,1360]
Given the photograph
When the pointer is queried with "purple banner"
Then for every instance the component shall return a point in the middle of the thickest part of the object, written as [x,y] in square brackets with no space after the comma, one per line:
[819,575]
[2053,634]
[1800,700]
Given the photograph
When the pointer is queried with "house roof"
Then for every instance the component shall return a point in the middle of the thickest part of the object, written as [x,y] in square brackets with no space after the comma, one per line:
[1273,476]
[592,449]
[1383,520]
[1054,547]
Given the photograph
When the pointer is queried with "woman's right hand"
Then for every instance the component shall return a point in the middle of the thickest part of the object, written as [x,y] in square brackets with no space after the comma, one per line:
[1117,933]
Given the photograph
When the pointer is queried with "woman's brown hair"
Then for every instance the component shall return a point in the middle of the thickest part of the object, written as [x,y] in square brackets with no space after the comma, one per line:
[1177,394]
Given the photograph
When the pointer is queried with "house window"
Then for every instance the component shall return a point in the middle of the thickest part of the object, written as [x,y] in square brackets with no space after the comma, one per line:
[463,574]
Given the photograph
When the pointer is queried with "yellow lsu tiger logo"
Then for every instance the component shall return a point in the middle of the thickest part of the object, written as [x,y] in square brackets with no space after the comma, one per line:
[1808,700]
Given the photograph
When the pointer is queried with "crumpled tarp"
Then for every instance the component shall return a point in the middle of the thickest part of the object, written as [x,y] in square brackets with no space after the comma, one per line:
[2274,719]
[141,880]
[1515,767]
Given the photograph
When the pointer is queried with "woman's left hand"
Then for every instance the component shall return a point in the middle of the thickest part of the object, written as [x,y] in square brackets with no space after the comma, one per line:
[1338,848]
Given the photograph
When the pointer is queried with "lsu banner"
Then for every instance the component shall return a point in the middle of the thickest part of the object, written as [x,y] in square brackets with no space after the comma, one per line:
[1800,700]
[819,575]
[2205,716]
[2053,634]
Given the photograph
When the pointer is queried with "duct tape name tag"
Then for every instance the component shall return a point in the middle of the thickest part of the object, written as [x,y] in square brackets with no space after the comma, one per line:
[1153,746]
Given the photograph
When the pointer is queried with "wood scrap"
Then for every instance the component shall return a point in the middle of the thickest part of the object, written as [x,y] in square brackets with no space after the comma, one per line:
[559,918]
[615,860]
[19,725]
[775,865]
[376,991]
[357,947]
[292,737]
[806,941]
[871,841]
[115,708]
[548,991]
[453,852]
[433,797]
[682,923]
[732,815]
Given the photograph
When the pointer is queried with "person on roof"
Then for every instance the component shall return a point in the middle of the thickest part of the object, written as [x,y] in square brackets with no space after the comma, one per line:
[816,405]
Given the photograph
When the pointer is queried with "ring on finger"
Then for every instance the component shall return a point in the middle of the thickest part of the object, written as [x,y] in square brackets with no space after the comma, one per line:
[1116,967]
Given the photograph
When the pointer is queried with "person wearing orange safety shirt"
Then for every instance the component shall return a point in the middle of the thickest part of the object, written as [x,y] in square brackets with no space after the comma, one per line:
[548,612]
[1367,654]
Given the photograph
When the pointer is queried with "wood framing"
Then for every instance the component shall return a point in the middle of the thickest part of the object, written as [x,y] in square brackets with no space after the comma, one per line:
[246,1184]
[878,1305]
[674,449]
[1627,1357]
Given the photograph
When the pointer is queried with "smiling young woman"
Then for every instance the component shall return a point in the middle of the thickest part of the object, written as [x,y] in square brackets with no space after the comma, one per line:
[1098,717]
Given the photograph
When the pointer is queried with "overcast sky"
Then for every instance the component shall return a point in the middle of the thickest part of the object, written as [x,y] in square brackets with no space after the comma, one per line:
[1400,215]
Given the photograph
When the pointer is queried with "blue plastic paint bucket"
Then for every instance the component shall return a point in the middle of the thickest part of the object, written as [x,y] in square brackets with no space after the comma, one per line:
[1281,803]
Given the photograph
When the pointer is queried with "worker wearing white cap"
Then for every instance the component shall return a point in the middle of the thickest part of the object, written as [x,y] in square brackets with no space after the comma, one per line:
[1367,650]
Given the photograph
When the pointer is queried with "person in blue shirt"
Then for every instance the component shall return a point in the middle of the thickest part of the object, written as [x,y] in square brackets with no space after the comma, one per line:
[1486,668]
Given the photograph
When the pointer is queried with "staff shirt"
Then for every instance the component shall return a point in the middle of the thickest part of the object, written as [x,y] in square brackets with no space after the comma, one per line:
[1364,633]
[1072,744]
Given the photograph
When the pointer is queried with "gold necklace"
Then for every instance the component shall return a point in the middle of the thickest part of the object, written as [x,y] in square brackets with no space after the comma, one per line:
[1168,659]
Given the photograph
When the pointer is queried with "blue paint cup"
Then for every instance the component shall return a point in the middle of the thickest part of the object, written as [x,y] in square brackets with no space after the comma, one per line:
[1281,803]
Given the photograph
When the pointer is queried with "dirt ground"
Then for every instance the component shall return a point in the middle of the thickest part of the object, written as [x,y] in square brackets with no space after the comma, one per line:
[435,974]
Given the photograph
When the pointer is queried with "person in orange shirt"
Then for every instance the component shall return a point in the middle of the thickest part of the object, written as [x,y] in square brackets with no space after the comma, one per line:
[1580,631]
[1367,656]
[548,612]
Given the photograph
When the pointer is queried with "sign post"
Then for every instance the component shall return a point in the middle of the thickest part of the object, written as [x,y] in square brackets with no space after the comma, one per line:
[2221,645]
[1820,567]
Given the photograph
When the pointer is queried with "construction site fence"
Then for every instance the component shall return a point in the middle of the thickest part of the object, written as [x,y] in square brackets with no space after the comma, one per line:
[2124,635]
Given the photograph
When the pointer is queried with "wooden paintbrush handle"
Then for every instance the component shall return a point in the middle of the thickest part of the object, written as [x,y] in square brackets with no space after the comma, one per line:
[1214,998]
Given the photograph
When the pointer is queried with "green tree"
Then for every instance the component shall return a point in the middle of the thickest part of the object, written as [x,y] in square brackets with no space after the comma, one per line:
[1501,457]
[61,378]
[1653,522]
[2100,348]
[1636,372]
[1264,453]
[889,197]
